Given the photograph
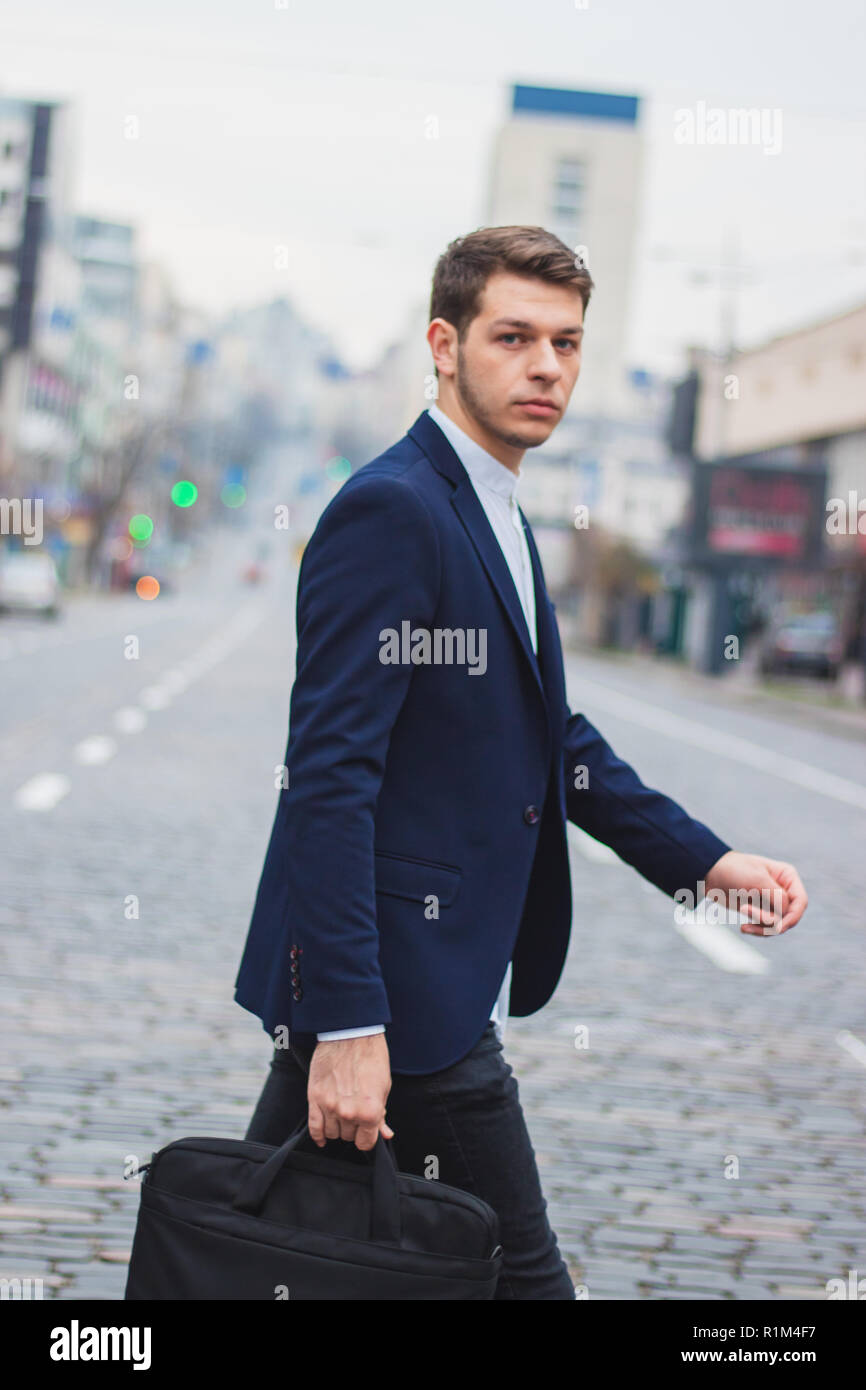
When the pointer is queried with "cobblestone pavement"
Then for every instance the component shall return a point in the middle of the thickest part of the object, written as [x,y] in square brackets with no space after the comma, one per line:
[707,1143]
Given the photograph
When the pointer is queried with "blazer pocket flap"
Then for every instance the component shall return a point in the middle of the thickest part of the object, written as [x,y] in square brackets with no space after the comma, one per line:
[416,879]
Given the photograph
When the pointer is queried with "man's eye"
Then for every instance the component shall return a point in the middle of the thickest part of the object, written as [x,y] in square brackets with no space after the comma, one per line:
[566,342]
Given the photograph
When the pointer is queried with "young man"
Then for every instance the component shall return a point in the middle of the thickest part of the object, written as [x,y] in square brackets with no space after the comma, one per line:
[416,887]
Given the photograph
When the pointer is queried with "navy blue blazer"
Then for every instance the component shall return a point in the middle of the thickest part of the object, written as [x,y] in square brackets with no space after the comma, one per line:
[421,841]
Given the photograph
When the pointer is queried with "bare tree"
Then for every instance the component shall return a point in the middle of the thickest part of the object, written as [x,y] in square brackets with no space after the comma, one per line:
[132,453]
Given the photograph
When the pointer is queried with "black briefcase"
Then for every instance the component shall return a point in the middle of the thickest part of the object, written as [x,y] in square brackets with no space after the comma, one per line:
[234,1219]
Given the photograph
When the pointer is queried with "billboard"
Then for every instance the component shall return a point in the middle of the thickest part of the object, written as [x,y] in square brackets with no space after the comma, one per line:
[773,515]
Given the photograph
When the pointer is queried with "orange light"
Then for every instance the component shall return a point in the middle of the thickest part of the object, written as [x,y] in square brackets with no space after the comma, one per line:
[147,587]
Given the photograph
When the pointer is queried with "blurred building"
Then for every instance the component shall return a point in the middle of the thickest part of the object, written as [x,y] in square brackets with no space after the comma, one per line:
[571,161]
[603,493]
[91,369]
[602,496]
[273,357]
[279,389]
[39,287]
[372,408]
[112,390]
[106,252]
[774,436]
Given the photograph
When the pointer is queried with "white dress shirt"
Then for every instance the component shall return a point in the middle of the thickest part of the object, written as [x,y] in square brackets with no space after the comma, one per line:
[495,486]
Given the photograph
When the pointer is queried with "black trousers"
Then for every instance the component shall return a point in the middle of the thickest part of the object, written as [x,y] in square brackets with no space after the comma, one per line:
[465,1127]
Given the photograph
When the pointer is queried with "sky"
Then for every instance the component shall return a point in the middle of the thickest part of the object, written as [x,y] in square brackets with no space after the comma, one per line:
[272,123]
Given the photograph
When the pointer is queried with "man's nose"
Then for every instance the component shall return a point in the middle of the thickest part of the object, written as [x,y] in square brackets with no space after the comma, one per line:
[545,363]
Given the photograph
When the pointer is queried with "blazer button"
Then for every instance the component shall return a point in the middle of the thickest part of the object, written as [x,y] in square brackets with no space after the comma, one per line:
[531,815]
[298,995]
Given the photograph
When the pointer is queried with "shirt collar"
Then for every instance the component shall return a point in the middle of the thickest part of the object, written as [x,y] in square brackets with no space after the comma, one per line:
[481,466]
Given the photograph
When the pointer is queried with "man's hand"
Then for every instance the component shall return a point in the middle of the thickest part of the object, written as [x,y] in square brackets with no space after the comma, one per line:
[349,1082]
[778,898]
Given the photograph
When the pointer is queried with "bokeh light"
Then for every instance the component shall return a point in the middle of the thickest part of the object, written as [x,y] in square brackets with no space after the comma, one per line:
[233,495]
[147,587]
[338,469]
[140,527]
[121,548]
[184,493]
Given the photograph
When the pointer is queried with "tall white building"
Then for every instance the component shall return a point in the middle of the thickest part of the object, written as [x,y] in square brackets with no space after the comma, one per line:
[571,161]
[38,282]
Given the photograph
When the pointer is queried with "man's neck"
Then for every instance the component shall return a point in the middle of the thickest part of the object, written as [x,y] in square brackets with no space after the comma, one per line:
[505,454]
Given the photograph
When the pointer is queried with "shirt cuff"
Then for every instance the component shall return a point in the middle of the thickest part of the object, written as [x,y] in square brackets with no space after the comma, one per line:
[351,1033]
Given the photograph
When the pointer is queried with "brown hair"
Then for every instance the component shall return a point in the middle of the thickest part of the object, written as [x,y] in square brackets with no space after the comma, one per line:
[465,266]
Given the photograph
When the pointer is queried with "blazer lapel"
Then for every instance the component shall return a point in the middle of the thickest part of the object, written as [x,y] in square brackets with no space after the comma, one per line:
[464,500]
[545,622]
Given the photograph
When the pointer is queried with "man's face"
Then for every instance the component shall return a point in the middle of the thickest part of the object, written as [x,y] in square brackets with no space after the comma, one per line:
[523,348]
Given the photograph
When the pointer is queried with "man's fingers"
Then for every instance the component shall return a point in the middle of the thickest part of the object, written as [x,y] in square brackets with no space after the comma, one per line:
[787,901]
[795,897]
[796,907]
[350,1077]
[330,1124]
[798,899]
[770,906]
[756,914]
[316,1123]
[366,1136]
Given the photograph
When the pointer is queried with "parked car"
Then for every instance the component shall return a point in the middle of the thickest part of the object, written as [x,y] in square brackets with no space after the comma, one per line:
[29,583]
[810,643]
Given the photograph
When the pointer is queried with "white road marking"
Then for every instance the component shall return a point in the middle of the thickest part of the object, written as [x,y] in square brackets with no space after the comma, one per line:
[713,939]
[852,1044]
[725,950]
[725,745]
[129,720]
[98,748]
[174,682]
[43,792]
[155,697]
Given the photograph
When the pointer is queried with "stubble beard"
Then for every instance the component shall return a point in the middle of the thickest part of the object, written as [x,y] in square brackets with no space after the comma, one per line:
[474,405]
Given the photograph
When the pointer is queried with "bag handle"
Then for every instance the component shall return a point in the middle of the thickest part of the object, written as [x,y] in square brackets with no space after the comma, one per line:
[385,1216]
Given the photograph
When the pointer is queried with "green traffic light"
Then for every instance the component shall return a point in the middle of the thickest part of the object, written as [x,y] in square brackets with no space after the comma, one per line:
[184,493]
[140,527]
